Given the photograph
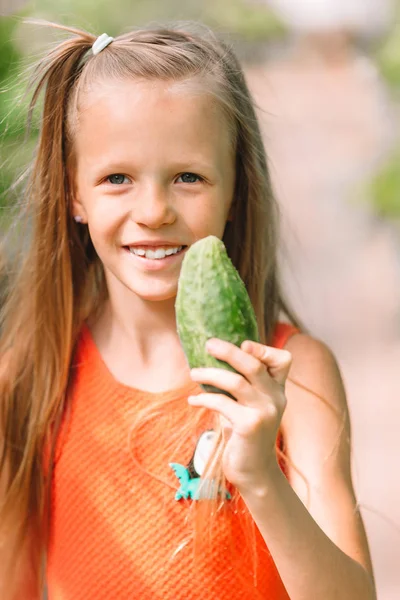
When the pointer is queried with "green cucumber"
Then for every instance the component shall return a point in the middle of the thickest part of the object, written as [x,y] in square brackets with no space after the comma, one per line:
[212,301]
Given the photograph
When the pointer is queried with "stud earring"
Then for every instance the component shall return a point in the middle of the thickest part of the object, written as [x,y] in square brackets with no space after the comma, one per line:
[78,219]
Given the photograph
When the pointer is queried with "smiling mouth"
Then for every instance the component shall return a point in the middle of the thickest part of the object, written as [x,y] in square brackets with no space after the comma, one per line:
[155,253]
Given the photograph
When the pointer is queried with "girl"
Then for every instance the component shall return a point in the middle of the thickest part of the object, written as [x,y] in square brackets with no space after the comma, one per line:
[149,142]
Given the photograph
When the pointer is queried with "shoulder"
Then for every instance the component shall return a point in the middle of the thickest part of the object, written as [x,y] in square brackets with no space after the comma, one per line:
[315,363]
[306,347]
[316,421]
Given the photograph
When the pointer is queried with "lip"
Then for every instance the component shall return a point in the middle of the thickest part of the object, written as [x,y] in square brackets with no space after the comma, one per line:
[148,264]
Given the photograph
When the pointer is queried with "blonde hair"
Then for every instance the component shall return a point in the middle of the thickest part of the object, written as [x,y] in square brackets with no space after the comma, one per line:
[58,282]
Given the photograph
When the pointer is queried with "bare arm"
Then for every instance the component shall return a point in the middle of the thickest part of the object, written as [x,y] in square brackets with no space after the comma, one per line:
[320,551]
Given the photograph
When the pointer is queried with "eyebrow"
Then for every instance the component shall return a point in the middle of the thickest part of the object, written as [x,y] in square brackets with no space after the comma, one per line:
[193,164]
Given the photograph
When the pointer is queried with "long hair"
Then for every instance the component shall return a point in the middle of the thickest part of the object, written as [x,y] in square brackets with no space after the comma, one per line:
[58,280]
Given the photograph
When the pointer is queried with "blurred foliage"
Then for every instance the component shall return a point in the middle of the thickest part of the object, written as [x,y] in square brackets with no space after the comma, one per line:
[384,188]
[8,53]
[388,52]
[240,20]
[240,17]
[388,58]
[13,148]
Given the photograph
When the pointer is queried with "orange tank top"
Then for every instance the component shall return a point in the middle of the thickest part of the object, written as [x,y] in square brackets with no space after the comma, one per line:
[116,531]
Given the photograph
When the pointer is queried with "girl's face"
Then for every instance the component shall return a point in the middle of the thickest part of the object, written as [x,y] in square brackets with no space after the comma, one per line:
[155,172]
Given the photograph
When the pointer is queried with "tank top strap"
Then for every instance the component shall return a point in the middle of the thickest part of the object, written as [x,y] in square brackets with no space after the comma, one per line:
[283,331]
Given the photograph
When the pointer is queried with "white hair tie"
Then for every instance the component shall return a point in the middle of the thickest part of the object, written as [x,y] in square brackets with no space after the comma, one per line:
[102,42]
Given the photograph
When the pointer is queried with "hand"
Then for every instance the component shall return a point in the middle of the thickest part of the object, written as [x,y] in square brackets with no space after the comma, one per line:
[252,422]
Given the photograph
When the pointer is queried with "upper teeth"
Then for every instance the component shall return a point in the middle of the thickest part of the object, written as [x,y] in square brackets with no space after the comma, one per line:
[159,253]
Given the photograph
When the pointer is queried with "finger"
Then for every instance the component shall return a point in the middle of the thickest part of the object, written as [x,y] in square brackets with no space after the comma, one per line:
[234,383]
[277,360]
[243,362]
[230,410]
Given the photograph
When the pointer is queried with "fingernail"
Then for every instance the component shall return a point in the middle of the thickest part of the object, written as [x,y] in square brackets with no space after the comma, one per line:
[246,345]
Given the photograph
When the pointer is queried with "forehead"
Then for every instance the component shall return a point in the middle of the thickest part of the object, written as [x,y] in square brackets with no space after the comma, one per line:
[151,113]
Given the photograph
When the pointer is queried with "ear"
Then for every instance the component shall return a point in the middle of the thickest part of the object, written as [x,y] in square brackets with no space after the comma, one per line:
[78,209]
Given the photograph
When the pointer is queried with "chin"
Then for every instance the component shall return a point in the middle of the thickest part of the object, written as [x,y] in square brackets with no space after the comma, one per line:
[156,295]
[148,289]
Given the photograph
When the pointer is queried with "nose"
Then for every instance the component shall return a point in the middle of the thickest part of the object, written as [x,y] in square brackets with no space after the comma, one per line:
[152,207]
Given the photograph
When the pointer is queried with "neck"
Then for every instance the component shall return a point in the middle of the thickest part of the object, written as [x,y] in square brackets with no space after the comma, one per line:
[139,342]
[144,329]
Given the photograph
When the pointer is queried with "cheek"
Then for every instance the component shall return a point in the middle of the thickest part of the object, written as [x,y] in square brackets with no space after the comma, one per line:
[209,218]
[103,233]
[105,214]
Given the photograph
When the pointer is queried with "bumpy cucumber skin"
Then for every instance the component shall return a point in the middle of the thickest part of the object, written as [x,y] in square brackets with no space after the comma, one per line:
[212,301]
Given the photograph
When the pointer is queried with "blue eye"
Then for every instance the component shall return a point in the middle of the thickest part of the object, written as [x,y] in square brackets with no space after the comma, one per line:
[189,178]
[116,178]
